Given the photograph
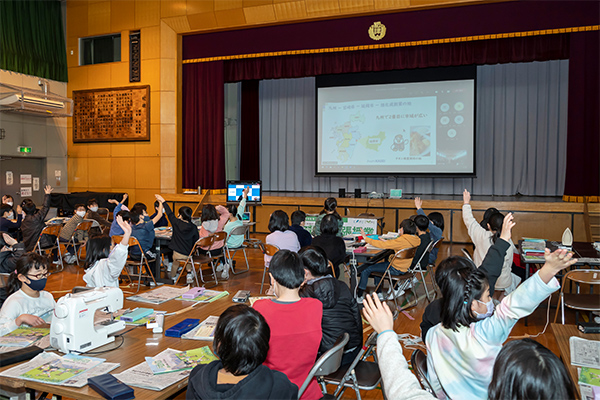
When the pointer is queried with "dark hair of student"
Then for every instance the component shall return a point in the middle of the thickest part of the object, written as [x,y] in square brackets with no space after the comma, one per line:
[496,220]
[8,196]
[96,248]
[330,207]
[77,206]
[26,263]
[408,226]
[298,217]
[209,213]
[486,216]
[5,208]
[186,213]
[241,339]
[463,284]
[135,216]
[525,369]
[279,221]
[28,206]
[91,202]
[437,218]
[329,225]
[287,269]
[124,214]
[139,206]
[314,259]
[422,222]
[156,204]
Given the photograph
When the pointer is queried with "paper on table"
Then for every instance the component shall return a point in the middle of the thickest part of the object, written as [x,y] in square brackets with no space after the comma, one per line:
[585,353]
[141,376]
[61,369]
[204,331]
[160,295]
[23,336]
[164,363]
[208,296]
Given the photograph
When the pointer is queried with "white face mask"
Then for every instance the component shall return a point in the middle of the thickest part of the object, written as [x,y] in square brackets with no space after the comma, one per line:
[10,216]
[94,208]
[490,309]
[10,203]
[81,213]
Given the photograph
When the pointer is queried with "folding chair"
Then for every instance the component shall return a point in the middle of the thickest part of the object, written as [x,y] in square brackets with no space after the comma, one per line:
[579,301]
[420,270]
[82,226]
[332,268]
[360,374]
[143,269]
[237,231]
[43,251]
[267,250]
[418,360]
[328,363]
[467,254]
[430,267]
[198,259]
[103,211]
[407,277]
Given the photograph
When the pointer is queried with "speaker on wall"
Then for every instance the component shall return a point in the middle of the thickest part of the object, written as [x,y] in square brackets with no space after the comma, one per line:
[357,193]
[342,192]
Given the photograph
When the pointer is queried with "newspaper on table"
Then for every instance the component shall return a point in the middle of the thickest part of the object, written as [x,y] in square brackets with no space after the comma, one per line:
[43,358]
[61,369]
[584,352]
[164,363]
[142,376]
[160,295]
[208,296]
[204,331]
[23,336]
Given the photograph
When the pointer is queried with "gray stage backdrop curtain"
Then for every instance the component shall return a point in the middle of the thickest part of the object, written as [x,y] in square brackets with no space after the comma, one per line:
[521,135]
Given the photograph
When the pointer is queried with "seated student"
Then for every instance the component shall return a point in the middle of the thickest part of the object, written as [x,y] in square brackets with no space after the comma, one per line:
[492,265]
[185,233]
[334,246]
[142,228]
[483,240]
[329,207]
[525,369]
[235,220]
[406,239]
[340,310]
[105,262]
[163,220]
[462,349]
[213,220]
[115,229]
[436,227]
[33,221]
[422,223]
[241,341]
[10,251]
[92,213]
[398,381]
[8,200]
[304,237]
[9,221]
[281,235]
[27,300]
[295,322]
[67,231]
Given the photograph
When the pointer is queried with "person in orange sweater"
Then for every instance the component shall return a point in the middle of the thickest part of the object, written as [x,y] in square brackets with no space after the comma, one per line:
[407,239]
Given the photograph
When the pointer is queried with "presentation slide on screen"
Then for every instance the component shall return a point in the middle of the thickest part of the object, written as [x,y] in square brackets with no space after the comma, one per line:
[425,127]
[235,192]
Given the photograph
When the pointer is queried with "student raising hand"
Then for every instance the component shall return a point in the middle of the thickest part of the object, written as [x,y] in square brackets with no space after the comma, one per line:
[555,262]
[418,203]
[126,228]
[378,314]
[507,226]
[466,197]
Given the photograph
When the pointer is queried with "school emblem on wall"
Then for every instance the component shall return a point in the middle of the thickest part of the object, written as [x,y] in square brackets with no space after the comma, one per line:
[377,31]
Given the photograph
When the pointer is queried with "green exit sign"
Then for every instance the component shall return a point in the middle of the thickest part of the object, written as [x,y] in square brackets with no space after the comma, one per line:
[23,149]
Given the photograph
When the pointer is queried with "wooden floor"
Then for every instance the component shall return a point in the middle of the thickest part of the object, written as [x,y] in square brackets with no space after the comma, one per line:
[61,282]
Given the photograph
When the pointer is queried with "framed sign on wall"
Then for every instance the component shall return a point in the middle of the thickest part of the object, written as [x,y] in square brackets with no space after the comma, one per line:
[111,115]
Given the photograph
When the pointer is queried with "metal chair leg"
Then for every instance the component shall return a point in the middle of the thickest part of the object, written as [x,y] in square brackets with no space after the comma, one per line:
[263,279]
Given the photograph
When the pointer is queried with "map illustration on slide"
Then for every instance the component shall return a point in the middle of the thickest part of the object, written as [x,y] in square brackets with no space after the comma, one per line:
[380,132]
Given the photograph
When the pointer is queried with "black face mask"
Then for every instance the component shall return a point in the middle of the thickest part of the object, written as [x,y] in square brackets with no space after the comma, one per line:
[37,284]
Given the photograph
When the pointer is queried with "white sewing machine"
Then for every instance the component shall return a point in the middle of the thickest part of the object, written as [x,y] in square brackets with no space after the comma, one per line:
[73,328]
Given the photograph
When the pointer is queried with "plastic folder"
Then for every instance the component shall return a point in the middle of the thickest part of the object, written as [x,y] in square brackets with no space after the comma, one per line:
[110,387]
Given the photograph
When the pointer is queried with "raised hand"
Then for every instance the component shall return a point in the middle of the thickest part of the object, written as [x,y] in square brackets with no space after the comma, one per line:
[48,189]
[507,226]
[418,203]
[466,197]
[159,198]
[378,314]
[555,262]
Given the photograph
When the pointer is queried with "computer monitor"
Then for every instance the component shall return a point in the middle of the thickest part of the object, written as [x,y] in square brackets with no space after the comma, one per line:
[236,188]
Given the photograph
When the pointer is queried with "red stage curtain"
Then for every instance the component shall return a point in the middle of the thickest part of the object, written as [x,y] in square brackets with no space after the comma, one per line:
[250,141]
[583,142]
[203,141]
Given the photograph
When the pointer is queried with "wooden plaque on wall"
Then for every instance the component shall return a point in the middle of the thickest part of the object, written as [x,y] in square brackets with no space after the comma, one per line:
[111,115]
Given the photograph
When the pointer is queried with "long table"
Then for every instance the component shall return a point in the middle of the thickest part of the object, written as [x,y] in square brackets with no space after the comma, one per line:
[585,253]
[139,343]
[563,333]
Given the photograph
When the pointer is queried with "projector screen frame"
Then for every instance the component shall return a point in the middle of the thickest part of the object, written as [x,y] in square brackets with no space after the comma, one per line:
[418,75]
